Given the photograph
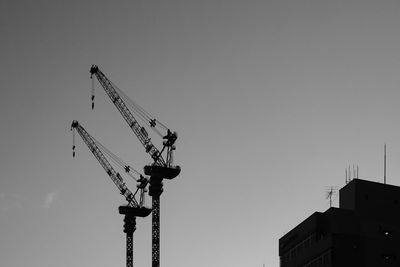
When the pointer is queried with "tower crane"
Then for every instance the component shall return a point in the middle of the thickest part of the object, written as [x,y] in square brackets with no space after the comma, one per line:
[133,208]
[160,168]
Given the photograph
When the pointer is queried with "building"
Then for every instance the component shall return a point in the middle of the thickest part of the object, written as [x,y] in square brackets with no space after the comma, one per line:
[363,232]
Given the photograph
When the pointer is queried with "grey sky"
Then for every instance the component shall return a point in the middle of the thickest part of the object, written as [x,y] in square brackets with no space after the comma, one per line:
[271,101]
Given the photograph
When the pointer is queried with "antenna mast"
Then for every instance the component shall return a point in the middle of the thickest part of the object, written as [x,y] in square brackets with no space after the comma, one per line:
[350,175]
[384,164]
[330,193]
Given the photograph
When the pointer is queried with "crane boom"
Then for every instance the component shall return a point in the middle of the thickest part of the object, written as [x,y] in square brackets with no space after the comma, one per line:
[115,176]
[139,131]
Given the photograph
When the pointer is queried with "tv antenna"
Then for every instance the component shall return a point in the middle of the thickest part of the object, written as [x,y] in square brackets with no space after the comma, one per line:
[331,193]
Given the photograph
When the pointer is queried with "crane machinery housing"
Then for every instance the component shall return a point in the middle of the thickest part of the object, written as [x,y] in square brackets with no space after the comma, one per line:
[160,168]
[133,208]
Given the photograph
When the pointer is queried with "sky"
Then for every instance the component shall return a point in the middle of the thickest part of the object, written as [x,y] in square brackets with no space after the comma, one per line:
[271,100]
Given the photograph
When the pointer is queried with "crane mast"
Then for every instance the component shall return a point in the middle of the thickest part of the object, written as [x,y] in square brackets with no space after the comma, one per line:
[134,208]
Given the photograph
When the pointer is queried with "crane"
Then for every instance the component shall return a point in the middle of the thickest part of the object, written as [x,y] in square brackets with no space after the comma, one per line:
[121,102]
[133,208]
[160,168]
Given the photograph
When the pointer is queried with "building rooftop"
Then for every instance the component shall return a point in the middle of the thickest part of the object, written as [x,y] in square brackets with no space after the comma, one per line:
[363,230]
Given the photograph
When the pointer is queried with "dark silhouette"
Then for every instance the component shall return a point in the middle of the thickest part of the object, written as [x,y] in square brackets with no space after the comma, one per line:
[364,231]
[134,208]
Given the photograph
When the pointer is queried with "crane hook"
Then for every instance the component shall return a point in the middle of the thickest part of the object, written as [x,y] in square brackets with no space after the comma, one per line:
[73,142]
[92,96]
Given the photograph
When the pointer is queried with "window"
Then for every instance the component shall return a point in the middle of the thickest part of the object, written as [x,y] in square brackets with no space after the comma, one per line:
[326,258]
[388,257]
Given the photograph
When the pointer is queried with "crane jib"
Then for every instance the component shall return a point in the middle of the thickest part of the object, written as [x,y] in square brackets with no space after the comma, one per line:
[139,131]
[115,176]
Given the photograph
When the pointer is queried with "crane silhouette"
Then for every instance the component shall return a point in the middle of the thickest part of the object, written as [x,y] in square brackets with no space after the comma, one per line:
[160,168]
[134,208]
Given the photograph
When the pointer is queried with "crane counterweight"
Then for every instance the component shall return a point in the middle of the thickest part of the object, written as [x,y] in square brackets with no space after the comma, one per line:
[162,172]
[134,211]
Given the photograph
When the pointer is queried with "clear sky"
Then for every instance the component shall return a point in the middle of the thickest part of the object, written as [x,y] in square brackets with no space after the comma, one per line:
[271,101]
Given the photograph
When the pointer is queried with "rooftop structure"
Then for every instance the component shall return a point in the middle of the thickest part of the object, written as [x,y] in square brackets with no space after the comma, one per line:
[364,231]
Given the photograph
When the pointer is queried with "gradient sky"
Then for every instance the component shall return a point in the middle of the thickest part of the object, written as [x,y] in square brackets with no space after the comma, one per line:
[271,101]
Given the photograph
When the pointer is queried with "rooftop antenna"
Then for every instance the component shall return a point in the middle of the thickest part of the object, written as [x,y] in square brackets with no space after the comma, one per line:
[348,170]
[331,192]
[355,172]
[384,164]
[351,174]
